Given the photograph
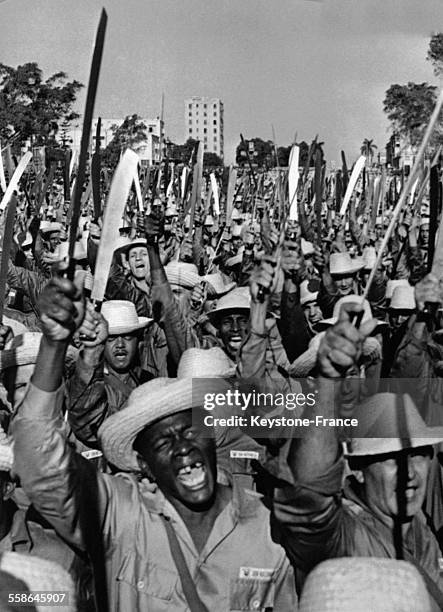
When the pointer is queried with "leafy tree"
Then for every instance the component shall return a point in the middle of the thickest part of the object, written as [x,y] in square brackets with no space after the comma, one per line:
[32,108]
[261,153]
[212,159]
[182,153]
[129,135]
[409,108]
[435,53]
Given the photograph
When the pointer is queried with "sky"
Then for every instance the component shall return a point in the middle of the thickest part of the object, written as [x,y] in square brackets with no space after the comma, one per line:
[305,67]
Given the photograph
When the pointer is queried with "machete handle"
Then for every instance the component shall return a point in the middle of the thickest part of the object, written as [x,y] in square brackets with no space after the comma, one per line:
[355,318]
[261,293]
[430,309]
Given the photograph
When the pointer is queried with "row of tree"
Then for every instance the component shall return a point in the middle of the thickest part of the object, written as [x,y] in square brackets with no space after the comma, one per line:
[33,109]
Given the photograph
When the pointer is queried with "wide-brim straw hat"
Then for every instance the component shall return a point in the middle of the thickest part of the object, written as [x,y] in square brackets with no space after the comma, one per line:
[183,274]
[130,244]
[148,403]
[47,227]
[364,584]
[403,298]
[41,575]
[216,285]
[205,363]
[306,362]
[351,299]
[387,423]
[341,264]
[23,350]
[392,284]
[122,317]
[234,261]
[237,299]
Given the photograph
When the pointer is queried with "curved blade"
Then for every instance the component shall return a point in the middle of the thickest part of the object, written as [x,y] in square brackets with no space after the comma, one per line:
[118,195]
[359,165]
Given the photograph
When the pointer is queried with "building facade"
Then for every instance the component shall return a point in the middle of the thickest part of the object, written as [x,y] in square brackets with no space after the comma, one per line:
[204,122]
[148,150]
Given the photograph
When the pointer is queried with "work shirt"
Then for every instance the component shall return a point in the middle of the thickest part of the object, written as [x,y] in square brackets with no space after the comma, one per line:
[318,522]
[239,568]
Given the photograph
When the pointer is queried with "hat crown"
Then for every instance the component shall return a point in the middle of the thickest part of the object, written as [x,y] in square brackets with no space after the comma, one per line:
[342,263]
[238,298]
[392,284]
[204,363]
[121,315]
[306,295]
[353,299]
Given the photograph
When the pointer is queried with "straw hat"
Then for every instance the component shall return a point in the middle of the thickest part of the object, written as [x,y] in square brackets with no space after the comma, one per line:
[392,284]
[342,263]
[209,221]
[369,257]
[150,402]
[425,220]
[183,274]
[122,317]
[306,295]
[351,299]
[216,284]
[237,299]
[205,363]
[403,298]
[61,252]
[130,244]
[23,350]
[306,362]
[40,575]
[236,214]
[387,423]
[307,248]
[47,227]
[364,584]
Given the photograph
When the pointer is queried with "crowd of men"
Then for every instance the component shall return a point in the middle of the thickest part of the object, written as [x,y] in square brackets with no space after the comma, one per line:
[109,474]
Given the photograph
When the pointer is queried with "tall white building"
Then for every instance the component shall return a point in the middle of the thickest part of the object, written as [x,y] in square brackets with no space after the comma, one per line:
[204,122]
[148,150]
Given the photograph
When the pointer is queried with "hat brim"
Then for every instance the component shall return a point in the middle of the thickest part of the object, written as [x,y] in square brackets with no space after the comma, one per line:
[214,314]
[127,247]
[350,270]
[363,447]
[127,329]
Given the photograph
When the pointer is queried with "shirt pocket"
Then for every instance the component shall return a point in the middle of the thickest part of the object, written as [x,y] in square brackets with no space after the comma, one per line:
[246,594]
[146,578]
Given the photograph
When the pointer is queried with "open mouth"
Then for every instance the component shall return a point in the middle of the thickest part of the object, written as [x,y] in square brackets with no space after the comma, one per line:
[192,476]
[120,354]
[235,342]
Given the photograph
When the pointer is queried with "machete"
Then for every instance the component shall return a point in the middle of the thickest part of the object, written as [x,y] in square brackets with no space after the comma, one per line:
[84,143]
[6,248]
[95,172]
[118,195]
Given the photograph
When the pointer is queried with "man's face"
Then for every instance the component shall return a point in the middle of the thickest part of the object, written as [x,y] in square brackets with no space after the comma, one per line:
[181,460]
[138,261]
[16,380]
[232,329]
[183,297]
[54,241]
[379,231]
[121,350]
[313,314]
[397,318]
[424,235]
[380,483]
[345,284]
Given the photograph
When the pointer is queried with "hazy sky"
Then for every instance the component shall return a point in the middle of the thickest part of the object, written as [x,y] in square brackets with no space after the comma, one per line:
[304,66]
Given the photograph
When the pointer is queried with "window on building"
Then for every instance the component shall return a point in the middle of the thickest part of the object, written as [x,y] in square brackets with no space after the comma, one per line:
[215,122]
[190,130]
[190,121]
[204,130]
[205,122]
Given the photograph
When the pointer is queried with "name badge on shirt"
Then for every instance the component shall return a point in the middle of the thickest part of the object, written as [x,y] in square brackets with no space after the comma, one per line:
[92,454]
[256,573]
[237,454]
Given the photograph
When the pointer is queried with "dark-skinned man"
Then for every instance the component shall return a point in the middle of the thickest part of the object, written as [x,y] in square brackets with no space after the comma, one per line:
[223,532]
